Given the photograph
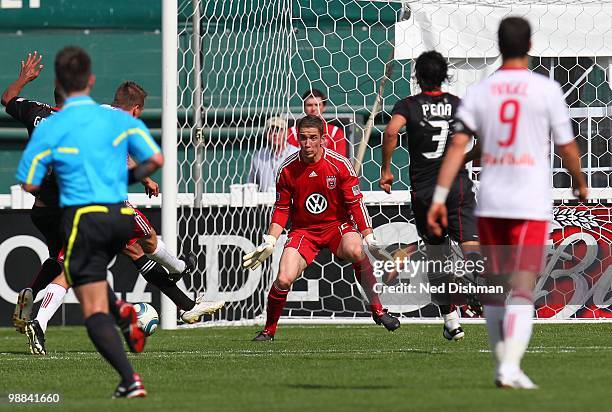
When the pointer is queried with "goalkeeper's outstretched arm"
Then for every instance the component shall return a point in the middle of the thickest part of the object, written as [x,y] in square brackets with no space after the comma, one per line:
[280,216]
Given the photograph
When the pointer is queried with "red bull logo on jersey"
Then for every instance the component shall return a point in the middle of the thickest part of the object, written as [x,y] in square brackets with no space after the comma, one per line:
[508,159]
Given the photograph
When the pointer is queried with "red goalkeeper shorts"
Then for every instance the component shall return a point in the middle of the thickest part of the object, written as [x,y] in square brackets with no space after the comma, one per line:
[512,245]
[308,242]
[142,226]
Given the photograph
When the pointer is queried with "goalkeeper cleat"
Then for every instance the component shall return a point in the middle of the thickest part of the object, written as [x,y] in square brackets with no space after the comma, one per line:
[23,310]
[455,334]
[133,389]
[390,322]
[128,322]
[191,264]
[517,381]
[263,336]
[36,338]
[200,309]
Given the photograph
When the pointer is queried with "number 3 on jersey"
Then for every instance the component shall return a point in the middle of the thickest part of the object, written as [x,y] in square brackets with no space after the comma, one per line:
[440,138]
[509,114]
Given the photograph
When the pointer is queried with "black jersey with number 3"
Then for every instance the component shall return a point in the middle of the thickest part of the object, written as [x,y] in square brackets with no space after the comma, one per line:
[30,113]
[429,117]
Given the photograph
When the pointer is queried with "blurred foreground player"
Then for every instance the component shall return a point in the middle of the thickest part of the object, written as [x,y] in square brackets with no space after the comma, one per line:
[319,190]
[96,222]
[427,117]
[514,112]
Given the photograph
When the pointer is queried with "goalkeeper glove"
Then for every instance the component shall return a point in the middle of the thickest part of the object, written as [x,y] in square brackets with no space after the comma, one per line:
[374,248]
[262,252]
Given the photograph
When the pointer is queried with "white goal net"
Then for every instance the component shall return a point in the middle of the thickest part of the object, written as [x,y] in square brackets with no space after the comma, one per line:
[243,62]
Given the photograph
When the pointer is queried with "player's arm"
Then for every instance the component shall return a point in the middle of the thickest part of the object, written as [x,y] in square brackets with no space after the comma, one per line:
[280,216]
[151,187]
[30,70]
[570,154]
[34,161]
[474,153]
[143,149]
[388,146]
[353,200]
[453,161]
[563,137]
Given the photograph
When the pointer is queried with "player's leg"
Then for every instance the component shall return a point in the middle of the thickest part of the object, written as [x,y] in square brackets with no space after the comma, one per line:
[298,254]
[48,221]
[436,251]
[494,306]
[462,228]
[94,236]
[156,250]
[347,244]
[528,238]
[52,300]
[155,274]
[101,330]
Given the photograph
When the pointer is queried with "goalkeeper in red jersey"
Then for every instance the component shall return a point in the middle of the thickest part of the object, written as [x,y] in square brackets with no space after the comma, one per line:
[319,190]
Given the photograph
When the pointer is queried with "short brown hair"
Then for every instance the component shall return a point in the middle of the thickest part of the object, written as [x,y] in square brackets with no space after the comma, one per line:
[128,95]
[311,121]
[72,69]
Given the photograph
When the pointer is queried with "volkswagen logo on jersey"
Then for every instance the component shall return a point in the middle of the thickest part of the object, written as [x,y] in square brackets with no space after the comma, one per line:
[316,203]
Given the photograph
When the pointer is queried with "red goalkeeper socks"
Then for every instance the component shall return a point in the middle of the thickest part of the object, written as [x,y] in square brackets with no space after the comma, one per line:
[276,303]
[365,276]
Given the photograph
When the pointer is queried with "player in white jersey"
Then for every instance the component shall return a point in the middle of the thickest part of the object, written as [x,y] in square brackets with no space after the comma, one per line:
[513,112]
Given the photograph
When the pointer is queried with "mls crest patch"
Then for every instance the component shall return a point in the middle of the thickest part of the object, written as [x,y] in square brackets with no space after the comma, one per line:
[356,190]
[331,182]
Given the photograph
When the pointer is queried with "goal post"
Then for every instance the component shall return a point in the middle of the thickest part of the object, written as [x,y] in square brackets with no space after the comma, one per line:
[245,62]
[169,142]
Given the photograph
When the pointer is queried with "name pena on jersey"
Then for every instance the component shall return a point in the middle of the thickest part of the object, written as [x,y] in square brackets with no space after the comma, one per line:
[440,109]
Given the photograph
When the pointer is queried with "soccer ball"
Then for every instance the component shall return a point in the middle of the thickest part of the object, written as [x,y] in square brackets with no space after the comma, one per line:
[148,319]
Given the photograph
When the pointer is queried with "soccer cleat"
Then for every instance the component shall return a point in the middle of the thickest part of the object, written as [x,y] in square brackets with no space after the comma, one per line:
[263,336]
[390,322]
[474,307]
[455,334]
[134,389]
[36,338]
[201,308]
[191,263]
[128,322]
[23,310]
[517,381]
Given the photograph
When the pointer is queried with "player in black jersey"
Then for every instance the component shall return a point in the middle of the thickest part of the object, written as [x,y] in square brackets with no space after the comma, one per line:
[46,213]
[428,117]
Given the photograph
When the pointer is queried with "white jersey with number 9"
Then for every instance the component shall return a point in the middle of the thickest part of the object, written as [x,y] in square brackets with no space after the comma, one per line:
[513,113]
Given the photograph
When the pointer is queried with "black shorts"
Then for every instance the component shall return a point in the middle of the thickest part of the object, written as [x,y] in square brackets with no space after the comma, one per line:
[460,205]
[94,235]
[48,220]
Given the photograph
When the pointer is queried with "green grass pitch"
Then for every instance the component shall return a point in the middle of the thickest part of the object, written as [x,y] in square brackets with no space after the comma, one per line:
[317,368]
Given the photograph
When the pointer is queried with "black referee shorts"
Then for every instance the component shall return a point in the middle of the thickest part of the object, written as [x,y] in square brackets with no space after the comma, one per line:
[48,220]
[460,205]
[94,235]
